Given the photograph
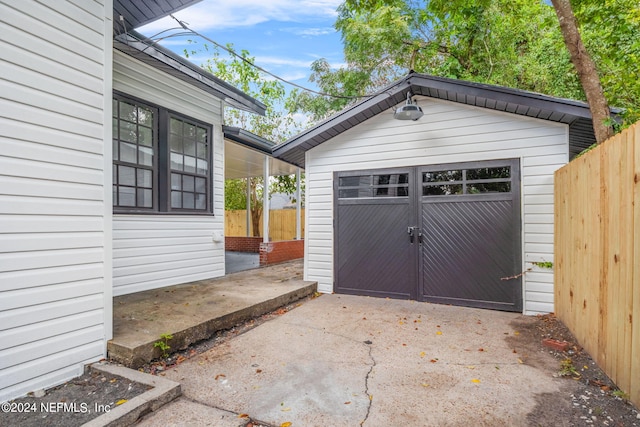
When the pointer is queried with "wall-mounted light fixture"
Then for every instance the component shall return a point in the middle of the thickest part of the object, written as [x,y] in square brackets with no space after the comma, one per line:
[408,111]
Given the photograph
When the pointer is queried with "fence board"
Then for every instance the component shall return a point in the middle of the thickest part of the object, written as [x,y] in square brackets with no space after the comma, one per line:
[635,324]
[597,246]
[282,224]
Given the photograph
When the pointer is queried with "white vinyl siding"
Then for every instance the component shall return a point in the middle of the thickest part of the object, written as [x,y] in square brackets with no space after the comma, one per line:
[157,250]
[55,296]
[447,133]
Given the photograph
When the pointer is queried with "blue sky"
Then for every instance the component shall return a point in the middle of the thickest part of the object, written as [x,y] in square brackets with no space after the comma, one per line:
[284,36]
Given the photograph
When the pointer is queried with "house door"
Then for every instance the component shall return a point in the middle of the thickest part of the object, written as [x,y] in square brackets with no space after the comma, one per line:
[444,233]
[374,254]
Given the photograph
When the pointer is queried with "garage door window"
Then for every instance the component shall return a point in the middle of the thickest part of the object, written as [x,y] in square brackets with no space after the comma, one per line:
[369,186]
[466,181]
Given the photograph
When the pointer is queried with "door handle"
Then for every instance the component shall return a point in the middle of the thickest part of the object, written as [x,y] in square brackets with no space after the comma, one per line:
[411,231]
[412,234]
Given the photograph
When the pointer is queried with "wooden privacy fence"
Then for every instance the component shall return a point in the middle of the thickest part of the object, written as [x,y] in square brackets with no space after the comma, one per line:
[597,255]
[282,224]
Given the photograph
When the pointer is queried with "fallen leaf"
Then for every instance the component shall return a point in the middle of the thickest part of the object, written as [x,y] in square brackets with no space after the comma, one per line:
[520,361]
[404,345]
[113,380]
[347,403]
[286,424]
[121,401]
[475,381]
[439,333]
[471,367]
[285,409]
[371,397]
[220,376]
[481,349]
[400,322]
[516,333]
[422,354]
[425,385]
[514,350]
[243,415]
[433,360]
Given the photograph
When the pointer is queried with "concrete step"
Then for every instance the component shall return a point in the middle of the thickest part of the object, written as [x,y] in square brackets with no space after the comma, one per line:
[195,311]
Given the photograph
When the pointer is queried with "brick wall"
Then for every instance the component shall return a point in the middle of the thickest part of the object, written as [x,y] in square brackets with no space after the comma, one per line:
[275,252]
[242,244]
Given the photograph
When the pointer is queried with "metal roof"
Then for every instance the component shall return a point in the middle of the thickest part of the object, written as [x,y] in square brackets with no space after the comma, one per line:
[136,13]
[145,50]
[576,114]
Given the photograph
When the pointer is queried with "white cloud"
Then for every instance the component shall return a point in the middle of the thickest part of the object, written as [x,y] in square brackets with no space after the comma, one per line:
[282,61]
[221,14]
[309,32]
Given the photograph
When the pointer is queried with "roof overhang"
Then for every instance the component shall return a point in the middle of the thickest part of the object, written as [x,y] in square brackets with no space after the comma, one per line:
[575,114]
[136,13]
[245,153]
[145,50]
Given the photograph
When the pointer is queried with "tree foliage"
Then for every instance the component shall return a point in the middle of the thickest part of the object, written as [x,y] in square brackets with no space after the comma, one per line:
[277,125]
[513,43]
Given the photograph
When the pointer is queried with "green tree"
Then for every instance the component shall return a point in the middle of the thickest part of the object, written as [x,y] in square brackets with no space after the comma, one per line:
[514,43]
[587,71]
[276,125]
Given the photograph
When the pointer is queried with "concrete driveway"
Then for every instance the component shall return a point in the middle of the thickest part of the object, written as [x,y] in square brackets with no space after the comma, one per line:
[341,360]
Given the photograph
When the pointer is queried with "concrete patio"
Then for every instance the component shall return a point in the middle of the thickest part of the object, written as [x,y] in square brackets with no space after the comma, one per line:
[195,311]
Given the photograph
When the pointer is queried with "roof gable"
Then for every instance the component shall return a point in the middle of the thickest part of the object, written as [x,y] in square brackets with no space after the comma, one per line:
[576,114]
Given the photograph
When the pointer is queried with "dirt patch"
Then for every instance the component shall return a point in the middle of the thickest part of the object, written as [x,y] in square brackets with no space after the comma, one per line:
[587,395]
[73,403]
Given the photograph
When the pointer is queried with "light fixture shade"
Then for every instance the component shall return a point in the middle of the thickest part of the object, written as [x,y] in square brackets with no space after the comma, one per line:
[409,111]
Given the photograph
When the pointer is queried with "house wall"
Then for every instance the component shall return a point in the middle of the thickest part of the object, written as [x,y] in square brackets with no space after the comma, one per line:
[55,293]
[447,133]
[152,251]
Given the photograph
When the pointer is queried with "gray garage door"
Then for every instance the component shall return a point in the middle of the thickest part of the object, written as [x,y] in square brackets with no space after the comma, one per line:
[444,233]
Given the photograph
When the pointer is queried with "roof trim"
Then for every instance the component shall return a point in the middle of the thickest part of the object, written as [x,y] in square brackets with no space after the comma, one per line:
[248,139]
[136,45]
[493,97]
[140,12]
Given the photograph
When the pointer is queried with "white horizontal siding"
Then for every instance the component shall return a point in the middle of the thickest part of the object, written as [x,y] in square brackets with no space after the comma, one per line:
[156,251]
[54,74]
[447,133]
[152,251]
[135,78]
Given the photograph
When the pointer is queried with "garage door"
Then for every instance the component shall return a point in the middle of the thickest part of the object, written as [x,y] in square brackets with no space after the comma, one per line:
[444,233]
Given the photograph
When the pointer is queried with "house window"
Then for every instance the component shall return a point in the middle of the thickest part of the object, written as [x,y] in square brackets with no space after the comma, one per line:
[189,145]
[134,154]
[161,160]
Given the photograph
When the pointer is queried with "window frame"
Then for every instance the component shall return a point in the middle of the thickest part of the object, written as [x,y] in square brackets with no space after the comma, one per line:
[154,167]
[161,163]
[209,175]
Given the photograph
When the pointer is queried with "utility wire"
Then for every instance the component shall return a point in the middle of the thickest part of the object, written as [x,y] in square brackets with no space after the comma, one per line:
[189,31]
